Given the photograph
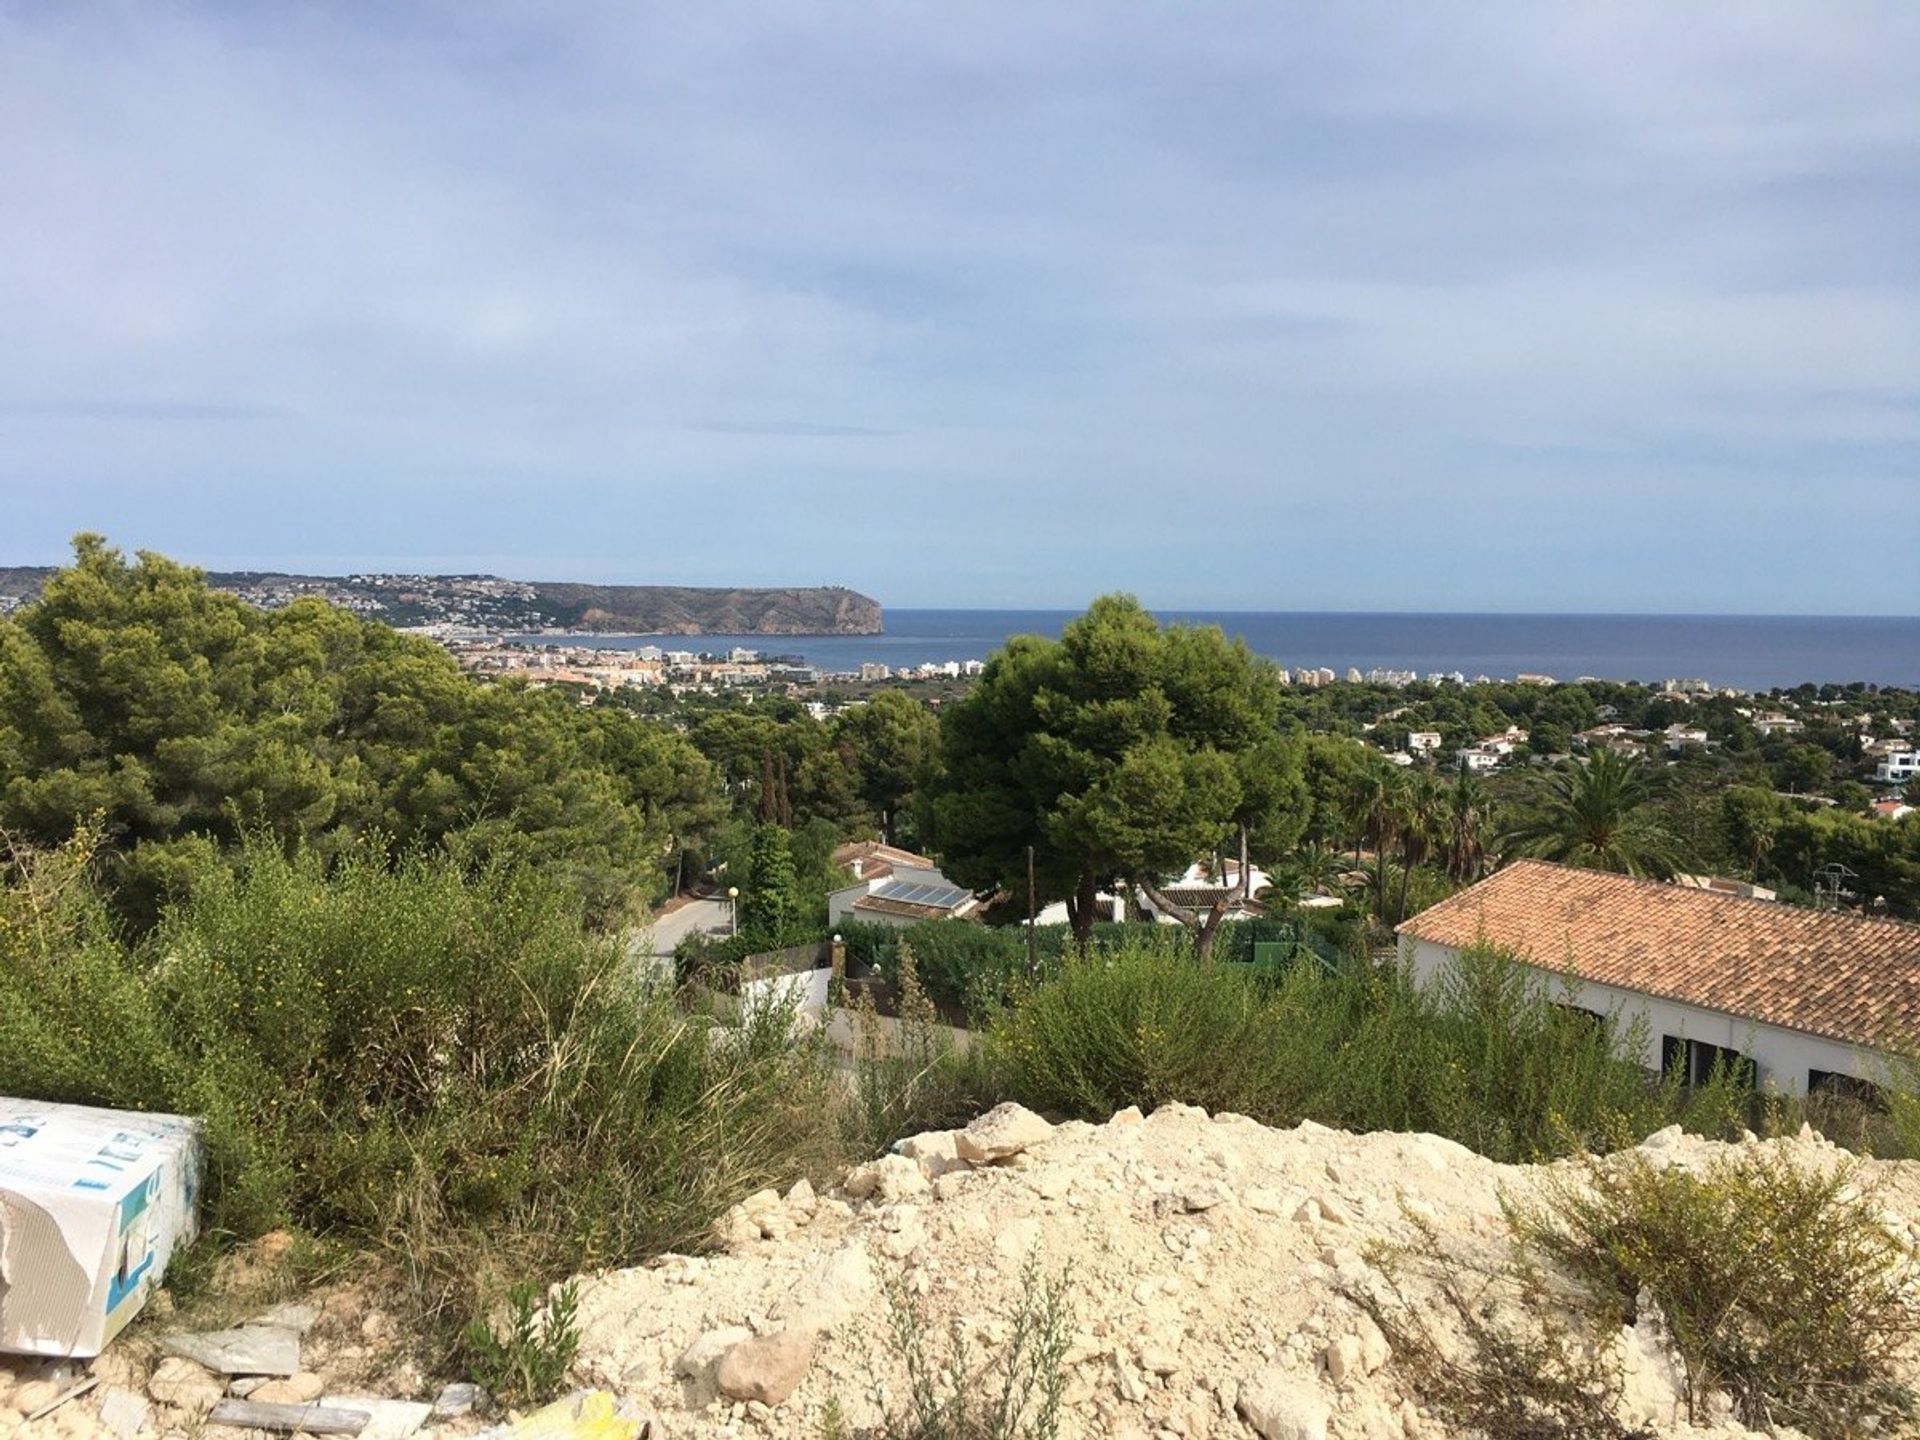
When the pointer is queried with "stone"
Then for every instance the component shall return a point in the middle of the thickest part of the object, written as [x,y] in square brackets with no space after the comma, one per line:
[1204,1196]
[1342,1359]
[1283,1405]
[297,1318]
[767,1368]
[936,1152]
[1000,1134]
[249,1350]
[187,1386]
[33,1394]
[698,1361]
[736,1230]
[298,1389]
[386,1419]
[891,1177]
[760,1202]
[1334,1210]
[801,1197]
[462,1397]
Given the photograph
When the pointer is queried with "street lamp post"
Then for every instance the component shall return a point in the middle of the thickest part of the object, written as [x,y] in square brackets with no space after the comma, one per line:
[733,911]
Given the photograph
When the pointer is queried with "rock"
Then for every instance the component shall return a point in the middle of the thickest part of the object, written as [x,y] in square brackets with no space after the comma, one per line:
[297,1318]
[936,1152]
[1000,1134]
[767,1368]
[187,1386]
[1375,1352]
[699,1360]
[736,1230]
[386,1419]
[891,1177]
[1282,1405]
[1334,1210]
[1663,1139]
[123,1412]
[462,1397]
[1159,1358]
[760,1202]
[1204,1196]
[800,1196]
[32,1395]
[250,1350]
[1342,1359]
[298,1389]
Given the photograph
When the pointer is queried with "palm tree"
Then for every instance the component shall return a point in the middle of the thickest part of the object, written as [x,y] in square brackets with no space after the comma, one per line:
[1599,815]
[1376,810]
[1468,817]
[1418,820]
[1310,870]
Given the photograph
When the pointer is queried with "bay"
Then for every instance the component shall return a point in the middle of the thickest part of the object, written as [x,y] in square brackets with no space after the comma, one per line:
[1749,652]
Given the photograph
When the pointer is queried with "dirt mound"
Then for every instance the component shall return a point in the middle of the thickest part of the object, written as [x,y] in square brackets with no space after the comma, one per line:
[1217,1271]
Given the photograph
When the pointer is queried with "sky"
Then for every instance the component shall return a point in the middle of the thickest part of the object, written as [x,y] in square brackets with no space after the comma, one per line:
[1233,305]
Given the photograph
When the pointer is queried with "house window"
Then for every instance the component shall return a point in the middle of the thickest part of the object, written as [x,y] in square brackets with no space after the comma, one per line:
[1593,1019]
[1696,1060]
[1850,1087]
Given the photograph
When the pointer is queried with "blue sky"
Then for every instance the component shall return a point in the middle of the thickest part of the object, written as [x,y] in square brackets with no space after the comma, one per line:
[1488,307]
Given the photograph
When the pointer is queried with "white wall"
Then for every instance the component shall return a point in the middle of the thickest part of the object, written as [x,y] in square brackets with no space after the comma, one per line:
[1782,1057]
[807,990]
[840,902]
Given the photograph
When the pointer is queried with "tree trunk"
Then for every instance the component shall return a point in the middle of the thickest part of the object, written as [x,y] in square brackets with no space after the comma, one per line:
[1081,906]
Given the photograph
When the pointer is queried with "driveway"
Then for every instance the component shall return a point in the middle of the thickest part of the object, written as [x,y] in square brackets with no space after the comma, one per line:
[653,945]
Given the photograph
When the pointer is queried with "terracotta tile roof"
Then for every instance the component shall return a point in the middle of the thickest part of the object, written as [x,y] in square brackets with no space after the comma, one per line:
[877,859]
[1825,972]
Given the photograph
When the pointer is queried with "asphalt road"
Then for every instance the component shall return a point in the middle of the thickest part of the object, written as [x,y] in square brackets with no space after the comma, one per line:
[655,943]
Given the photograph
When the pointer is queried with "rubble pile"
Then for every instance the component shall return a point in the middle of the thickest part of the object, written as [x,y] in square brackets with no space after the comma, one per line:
[1218,1273]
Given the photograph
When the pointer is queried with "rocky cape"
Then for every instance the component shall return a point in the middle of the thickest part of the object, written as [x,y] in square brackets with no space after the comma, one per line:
[490,602]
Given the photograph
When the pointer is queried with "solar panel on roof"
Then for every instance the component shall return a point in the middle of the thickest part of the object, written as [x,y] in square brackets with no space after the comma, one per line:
[914,892]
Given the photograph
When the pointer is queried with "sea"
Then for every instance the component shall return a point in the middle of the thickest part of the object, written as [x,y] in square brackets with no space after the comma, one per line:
[1745,652]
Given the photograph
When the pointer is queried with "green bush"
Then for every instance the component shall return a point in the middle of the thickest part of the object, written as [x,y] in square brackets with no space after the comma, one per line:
[1486,1057]
[440,1064]
[1781,1285]
[525,1361]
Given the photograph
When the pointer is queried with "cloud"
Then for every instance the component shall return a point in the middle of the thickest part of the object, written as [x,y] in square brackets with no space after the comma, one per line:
[1381,283]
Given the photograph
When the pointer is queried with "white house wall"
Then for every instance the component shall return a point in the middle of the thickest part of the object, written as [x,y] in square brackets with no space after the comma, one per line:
[1781,1057]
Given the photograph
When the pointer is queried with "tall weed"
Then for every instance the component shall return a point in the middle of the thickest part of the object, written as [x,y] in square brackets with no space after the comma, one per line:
[438,1063]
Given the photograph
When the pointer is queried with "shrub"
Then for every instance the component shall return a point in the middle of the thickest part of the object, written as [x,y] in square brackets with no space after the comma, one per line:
[439,1064]
[1494,1352]
[1780,1284]
[527,1362]
[1015,1395]
[1143,1026]
[911,1075]
[1486,1058]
